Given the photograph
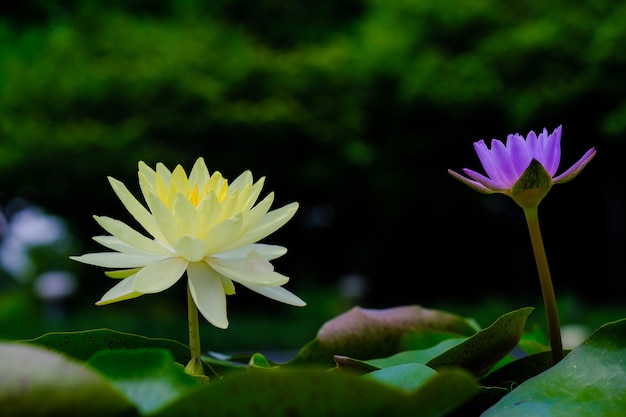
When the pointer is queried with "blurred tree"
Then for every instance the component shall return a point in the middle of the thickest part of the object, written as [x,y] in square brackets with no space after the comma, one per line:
[358,107]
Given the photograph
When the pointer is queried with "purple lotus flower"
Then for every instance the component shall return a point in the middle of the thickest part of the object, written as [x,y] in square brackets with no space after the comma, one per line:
[506,164]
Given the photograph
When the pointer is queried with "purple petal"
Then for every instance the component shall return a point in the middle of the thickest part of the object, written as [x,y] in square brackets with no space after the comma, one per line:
[551,150]
[520,154]
[486,182]
[503,162]
[576,168]
[535,148]
[470,183]
[486,159]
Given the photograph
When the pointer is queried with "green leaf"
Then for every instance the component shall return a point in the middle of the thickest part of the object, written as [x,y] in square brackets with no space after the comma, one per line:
[322,393]
[589,381]
[416,356]
[408,376]
[257,360]
[531,343]
[354,366]
[519,370]
[426,338]
[500,382]
[84,344]
[371,333]
[483,350]
[446,391]
[148,377]
[37,382]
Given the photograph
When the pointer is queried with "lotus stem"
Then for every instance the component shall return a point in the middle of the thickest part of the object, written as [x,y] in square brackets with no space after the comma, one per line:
[194,367]
[549,299]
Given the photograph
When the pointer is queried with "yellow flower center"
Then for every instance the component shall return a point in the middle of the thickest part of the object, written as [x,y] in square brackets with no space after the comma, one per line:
[193,197]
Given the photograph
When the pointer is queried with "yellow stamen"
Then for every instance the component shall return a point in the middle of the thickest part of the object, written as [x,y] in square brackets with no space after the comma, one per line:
[194,198]
[223,192]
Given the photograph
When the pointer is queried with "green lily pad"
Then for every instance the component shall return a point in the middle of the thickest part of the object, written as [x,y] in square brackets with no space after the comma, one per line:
[530,344]
[408,376]
[416,356]
[257,360]
[372,333]
[83,344]
[315,393]
[148,377]
[517,371]
[355,366]
[426,338]
[484,349]
[589,381]
[38,382]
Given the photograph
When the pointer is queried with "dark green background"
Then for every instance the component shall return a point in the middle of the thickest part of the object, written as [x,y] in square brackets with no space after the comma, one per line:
[353,108]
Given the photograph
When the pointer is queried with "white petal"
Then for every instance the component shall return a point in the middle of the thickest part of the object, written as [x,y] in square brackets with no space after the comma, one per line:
[138,211]
[148,175]
[239,183]
[248,271]
[256,214]
[254,194]
[118,260]
[115,244]
[126,234]
[121,273]
[179,180]
[223,234]
[272,221]
[216,183]
[120,292]
[199,174]
[207,292]
[160,276]
[257,265]
[147,180]
[229,204]
[191,248]
[269,252]
[163,172]
[164,219]
[278,294]
[186,215]
[242,198]
[209,212]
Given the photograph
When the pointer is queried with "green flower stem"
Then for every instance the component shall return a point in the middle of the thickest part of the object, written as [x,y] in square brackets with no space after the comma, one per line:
[194,367]
[549,300]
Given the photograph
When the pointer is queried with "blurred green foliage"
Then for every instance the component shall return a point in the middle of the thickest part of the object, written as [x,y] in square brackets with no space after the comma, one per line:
[354,107]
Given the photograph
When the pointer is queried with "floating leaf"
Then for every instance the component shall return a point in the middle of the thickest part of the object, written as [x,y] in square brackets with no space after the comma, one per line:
[322,393]
[355,366]
[416,356]
[530,344]
[426,338]
[370,333]
[38,382]
[83,344]
[257,360]
[408,377]
[499,383]
[589,381]
[148,377]
[483,350]
[519,370]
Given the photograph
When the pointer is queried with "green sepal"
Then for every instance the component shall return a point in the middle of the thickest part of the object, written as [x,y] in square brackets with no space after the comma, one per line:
[532,186]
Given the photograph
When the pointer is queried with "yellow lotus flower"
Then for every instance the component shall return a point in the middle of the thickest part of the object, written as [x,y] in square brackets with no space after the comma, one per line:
[200,225]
